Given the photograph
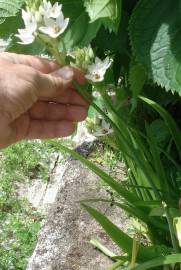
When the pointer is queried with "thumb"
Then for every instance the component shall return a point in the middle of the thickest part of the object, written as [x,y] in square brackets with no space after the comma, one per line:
[54,84]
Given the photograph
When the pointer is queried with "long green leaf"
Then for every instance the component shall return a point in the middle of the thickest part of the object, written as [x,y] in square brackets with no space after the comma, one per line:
[124,241]
[116,265]
[130,197]
[160,261]
[133,211]
[174,129]
[118,236]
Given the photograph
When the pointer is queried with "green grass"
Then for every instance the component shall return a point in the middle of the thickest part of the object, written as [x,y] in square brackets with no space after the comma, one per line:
[19,221]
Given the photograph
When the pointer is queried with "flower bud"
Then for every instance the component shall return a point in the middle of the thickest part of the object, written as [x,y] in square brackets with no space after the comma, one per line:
[33,5]
[83,58]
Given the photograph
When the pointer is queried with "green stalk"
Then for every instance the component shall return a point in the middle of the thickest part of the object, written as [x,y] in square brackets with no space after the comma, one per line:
[135,155]
[171,228]
[117,131]
[102,248]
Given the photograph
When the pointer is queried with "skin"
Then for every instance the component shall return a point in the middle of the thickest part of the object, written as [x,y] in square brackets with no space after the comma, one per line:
[37,98]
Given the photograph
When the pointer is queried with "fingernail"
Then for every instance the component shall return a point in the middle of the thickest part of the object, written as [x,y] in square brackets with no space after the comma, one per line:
[66,73]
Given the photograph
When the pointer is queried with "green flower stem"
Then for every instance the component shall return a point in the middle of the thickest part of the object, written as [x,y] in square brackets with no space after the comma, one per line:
[102,248]
[122,142]
[52,47]
[125,134]
[171,229]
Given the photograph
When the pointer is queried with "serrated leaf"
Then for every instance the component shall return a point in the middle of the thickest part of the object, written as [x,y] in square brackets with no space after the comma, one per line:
[108,11]
[155,34]
[9,8]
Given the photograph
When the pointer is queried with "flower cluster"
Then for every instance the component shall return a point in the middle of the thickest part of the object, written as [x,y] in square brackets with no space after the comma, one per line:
[98,127]
[45,22]
[93,67]
[48,19]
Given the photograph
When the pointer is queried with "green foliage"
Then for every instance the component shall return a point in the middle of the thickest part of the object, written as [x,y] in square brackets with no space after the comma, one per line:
[108,12]
[19,221]
[155,37]
[9,8]
[137,79]
[170,259]
[143,40]
[31,157]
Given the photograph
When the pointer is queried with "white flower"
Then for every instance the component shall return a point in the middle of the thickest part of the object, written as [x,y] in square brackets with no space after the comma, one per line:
[97,70]
[56,27]
[29,21]
[50,11]
[27,35]
[103,130]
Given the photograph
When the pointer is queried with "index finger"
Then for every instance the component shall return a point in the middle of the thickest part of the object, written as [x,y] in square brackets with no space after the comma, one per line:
[40,64]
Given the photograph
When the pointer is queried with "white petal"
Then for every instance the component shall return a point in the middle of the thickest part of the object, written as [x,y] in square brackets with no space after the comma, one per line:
[49,31]
[49,22]
[25,15]
[60,19]
[89,77]
[25,38]
[64,25]
[45,29]
[56,10]
[104,124]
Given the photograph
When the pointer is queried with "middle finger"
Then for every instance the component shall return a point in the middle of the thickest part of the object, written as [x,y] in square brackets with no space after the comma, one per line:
[55,111]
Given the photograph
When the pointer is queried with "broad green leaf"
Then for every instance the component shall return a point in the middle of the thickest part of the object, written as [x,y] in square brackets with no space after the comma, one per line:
[10,26]
[117,42]
[156,37]
[160,261]
[9,8]
[160,131]
[91,33]
[137,79]
[109,11]
[78,25]
[9,23]
[33,49]
[76,31]
[8,29]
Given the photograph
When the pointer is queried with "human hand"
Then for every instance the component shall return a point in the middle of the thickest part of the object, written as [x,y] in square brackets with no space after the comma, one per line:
[37,100]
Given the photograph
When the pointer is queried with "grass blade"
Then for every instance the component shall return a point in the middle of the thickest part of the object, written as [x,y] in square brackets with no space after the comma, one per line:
[102,248]
[163,260]
[174,129]
[130,197]
[124,241]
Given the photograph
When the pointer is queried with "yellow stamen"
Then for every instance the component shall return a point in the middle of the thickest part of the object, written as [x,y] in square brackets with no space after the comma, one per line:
[56,28]
[97,76]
